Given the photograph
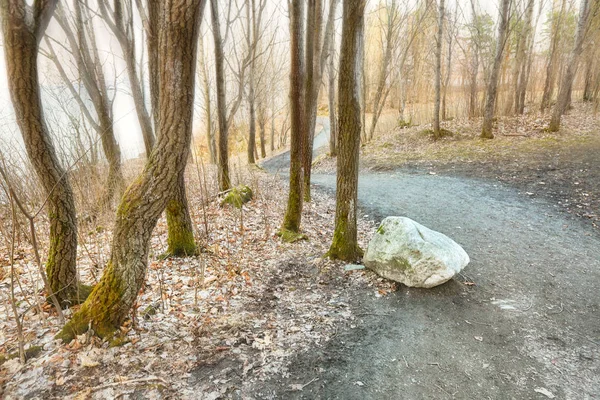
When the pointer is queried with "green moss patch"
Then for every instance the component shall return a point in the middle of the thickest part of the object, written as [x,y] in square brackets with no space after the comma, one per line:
[30,353]
[238,196]
[291,236]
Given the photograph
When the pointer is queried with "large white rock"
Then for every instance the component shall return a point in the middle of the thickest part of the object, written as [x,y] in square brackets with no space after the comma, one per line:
[405,251]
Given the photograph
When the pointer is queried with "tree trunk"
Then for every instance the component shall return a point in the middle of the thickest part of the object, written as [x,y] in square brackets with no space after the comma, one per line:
[121,25]
[180,238]
[23,26]
[252,127]
[448,68]
[522,60]
[272,124]
[552,59]
[474,92]
[564,95]
[437,133]
[488,117]
[345,244]
[223,159]
[331,98]
[379,101]
[293,214]
[144,201]
[210,137]
[261,125]
[314,15]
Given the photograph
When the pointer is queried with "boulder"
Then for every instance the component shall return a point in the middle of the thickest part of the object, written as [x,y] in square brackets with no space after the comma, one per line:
[405,251]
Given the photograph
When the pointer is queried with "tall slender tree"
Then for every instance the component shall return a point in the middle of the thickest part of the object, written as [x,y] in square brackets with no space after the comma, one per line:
[145,200]
[290,228]
[437,133]
[317,52]
[492,92]
[345,243]
[223,153]
[23,26]
[564,94]
[81,38]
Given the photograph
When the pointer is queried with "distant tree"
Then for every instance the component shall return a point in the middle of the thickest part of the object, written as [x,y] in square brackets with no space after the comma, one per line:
[564,94]
[120,20]
[210,136]
[23,26]
[437,133]
[556,21]
[492,91]
[331,74]
[345,243]
[144,201]
[81,38]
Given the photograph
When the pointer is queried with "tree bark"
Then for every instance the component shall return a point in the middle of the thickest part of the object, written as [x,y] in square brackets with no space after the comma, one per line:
[23,26]
[223,156]
[331,99]
[564,95]
[437,134]
[345,244]
[293,214]
[144,201]
[488,117]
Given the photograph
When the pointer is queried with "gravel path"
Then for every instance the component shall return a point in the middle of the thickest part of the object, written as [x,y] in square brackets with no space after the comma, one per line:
[529,327]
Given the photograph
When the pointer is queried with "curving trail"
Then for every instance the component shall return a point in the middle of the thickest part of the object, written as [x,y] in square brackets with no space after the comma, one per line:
[529,327]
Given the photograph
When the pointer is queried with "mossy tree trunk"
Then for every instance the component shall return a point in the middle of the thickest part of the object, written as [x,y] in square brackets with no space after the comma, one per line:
[293,214]
[180,237]
[345,244]
[23,26]
[223,155]
[492,91]
[564,95]
[120,20]
[142,204]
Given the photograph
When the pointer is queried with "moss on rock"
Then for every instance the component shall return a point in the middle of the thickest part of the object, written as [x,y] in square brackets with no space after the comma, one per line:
[238,196]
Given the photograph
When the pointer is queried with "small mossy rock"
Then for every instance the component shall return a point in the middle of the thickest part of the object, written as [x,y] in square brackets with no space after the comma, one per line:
[407,252]
[238,196]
